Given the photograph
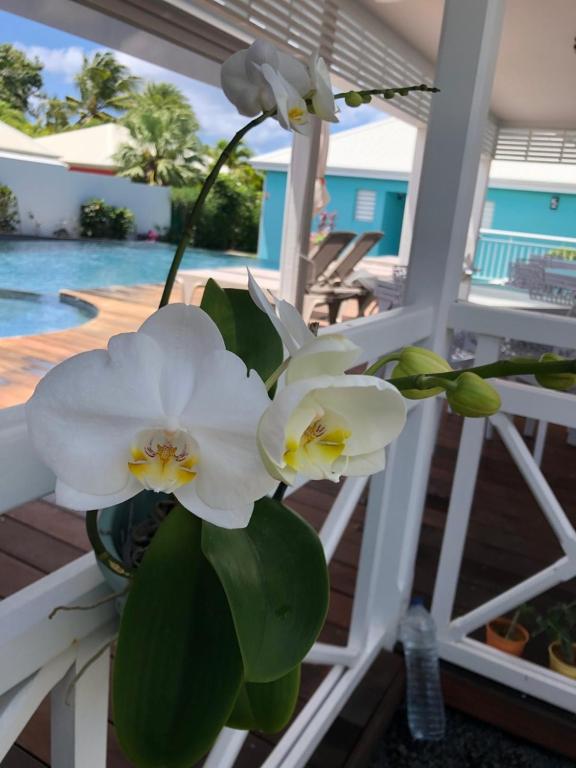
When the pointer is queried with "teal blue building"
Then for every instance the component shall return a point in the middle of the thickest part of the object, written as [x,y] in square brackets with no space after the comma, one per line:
[367,177]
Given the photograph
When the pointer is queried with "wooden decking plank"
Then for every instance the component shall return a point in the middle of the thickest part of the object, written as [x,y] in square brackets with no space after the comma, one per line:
[59,523]
[19,758]
[15,575]
[34,547]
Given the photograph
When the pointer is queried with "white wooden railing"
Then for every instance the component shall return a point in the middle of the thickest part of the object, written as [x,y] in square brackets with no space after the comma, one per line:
[39,655]
[497,249]
[517,400]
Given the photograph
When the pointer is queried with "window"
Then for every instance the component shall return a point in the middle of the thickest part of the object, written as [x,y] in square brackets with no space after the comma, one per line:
[365,205]
[487,215]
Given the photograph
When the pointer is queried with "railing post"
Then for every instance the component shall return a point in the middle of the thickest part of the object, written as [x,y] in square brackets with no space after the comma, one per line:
[79,710]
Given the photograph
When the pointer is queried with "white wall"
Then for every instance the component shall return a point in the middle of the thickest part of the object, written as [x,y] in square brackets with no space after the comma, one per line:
[53,195]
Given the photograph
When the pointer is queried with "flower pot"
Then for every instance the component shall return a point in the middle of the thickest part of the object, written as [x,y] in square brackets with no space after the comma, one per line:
[512,645]
[116,528]
[558,665]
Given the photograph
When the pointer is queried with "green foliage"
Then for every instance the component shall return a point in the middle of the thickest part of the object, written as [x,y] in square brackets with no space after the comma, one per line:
[559,623]
[276,581]
[238,164]
[266,707]
[9,218]
[104,84]
[163,148]
[246,330]
[15,118]
[100,220]
[230,217]
[563,253]
[20,77]
[178,669]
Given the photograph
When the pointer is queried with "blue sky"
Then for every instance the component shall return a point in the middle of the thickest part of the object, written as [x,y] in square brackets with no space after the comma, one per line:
[61,55]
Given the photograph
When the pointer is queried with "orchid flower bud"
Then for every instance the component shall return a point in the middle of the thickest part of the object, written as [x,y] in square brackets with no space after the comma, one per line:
[353,99]
[473,396]
[559,381]
[414,361]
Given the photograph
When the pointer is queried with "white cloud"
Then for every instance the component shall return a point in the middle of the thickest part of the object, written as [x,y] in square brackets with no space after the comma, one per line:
[57,61]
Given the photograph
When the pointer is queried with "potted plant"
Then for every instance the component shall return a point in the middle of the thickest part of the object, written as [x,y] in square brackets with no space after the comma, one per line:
[509,635]
[559,623]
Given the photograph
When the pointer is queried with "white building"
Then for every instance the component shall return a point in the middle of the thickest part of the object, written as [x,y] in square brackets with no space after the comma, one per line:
[54,175]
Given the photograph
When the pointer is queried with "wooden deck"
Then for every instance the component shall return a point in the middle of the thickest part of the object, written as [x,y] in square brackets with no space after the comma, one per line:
[509,540]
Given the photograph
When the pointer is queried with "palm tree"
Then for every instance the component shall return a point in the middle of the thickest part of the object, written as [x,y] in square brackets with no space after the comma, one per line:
[163,148]
[238,164]
[104,85]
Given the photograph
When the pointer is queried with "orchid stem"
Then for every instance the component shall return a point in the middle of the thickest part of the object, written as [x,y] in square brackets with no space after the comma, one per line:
[500,369]
[280,491]
[390,93]
[273,378]
[192,217]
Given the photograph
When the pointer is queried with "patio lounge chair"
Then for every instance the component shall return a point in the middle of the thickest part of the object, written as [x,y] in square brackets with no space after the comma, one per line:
[236,277]
[334,285]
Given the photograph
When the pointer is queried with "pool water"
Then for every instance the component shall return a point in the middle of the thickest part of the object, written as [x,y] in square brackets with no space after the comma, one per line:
[45,267]
[24,314]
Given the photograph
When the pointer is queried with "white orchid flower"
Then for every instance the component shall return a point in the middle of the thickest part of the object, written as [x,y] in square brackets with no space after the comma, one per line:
[310,355]
[323,100]
[291,108]
[246,79]
[329,426]
[166,408]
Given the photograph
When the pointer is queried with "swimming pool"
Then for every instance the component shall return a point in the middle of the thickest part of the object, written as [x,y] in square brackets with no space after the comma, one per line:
[23,313]
[46,266]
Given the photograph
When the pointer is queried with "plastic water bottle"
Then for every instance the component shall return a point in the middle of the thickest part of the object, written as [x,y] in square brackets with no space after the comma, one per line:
[426,717]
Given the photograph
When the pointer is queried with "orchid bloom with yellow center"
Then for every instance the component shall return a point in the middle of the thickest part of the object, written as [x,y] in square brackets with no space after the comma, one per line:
[324,423]
[329,426]
[165,409]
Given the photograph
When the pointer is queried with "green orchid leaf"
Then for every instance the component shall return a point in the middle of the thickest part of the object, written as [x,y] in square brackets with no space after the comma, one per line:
[216,303]
[178,668]
[257,341]
[276,581]
[266,707]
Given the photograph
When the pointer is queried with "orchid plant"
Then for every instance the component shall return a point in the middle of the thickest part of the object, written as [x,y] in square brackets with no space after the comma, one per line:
[204,416]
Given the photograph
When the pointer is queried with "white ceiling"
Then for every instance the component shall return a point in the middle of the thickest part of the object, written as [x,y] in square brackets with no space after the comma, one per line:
[535,83]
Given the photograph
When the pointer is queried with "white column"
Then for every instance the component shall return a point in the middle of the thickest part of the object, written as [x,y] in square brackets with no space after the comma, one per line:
[465,68]
[298,214]
[411,200]
[474,225]
[464,73]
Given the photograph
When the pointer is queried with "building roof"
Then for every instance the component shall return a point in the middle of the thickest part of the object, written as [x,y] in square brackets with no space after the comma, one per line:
[18,146]
[385,150]
[87,147]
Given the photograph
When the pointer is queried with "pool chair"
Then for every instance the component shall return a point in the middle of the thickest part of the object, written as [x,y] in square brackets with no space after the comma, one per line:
[325,254]
[336,283]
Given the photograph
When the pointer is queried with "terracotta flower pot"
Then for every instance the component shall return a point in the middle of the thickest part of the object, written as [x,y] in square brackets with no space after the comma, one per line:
[495,632]
[558,665]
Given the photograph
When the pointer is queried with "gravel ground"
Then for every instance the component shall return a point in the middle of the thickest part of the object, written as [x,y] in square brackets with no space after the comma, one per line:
[468,744]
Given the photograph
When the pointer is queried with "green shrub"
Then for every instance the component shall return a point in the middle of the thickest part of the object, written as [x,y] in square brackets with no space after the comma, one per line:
[9,218]
[103,221]
[230,217]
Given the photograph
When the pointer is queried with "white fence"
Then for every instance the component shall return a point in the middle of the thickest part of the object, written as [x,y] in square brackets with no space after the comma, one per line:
[497,249]
[517,400]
